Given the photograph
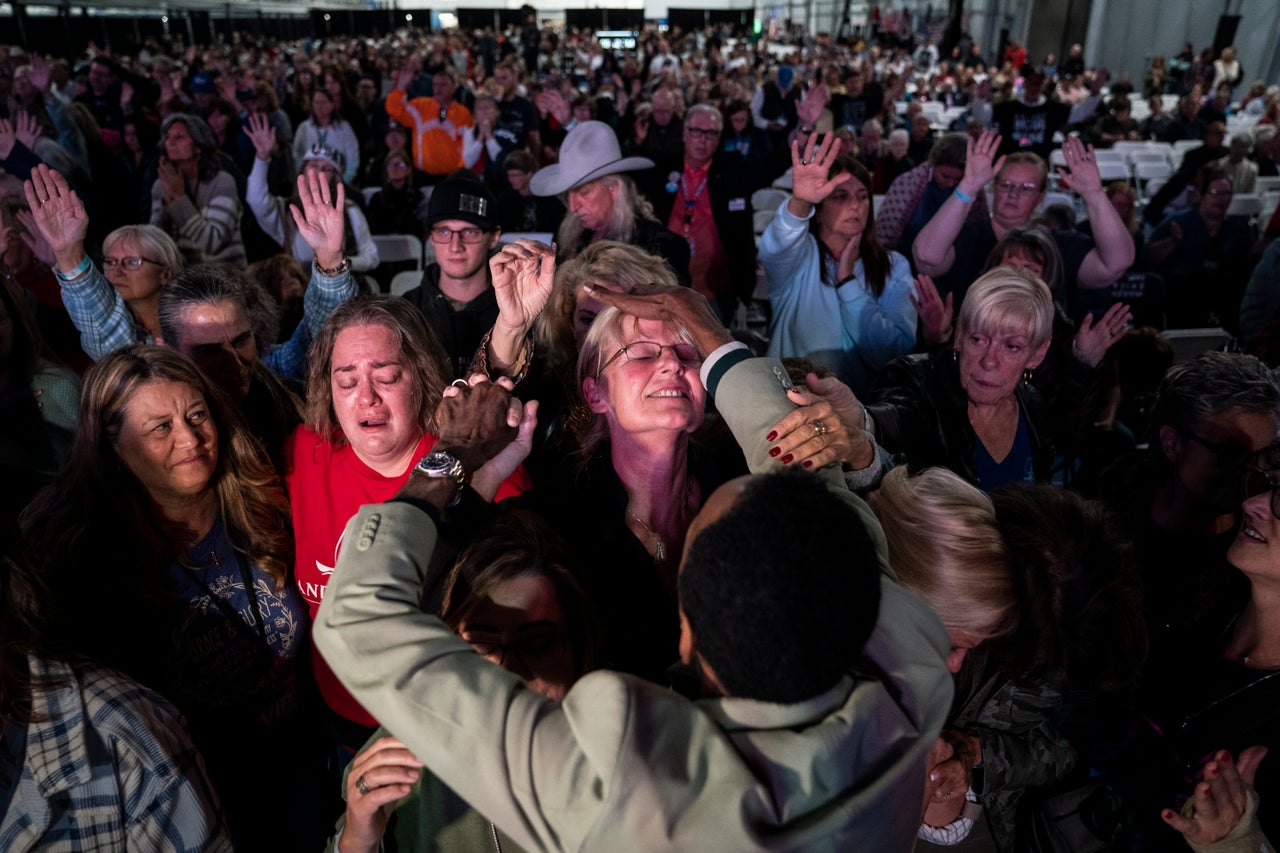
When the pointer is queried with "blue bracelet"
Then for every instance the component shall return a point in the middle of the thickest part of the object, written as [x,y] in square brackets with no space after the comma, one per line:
[967,199]
[75,273]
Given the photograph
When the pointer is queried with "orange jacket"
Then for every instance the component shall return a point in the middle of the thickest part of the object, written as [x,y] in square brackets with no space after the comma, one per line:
[437,137]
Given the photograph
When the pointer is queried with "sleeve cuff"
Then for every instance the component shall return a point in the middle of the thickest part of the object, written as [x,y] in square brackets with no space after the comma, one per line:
[719,361]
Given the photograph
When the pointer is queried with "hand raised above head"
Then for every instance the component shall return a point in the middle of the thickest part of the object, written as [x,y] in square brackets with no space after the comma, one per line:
[810,167]
[322,220]
[57,214]
[680,305]
[523,274]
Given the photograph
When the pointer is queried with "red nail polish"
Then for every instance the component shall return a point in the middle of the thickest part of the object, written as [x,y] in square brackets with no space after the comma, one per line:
[808,463]
[774,451]
[771,436]
[786,460]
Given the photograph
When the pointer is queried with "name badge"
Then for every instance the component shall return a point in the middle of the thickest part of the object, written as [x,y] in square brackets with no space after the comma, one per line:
[737,204]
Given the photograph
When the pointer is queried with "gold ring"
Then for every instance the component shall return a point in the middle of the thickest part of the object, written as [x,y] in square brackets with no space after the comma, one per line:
[819,428]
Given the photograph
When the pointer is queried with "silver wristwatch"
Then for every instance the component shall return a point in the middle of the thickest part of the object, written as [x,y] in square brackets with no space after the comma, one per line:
[441,463]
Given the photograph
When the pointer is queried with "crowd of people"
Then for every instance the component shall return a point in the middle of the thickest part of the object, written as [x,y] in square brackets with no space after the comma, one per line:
[559,548]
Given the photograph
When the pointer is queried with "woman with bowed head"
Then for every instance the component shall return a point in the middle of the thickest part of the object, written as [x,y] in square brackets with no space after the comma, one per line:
[194,200]
[973,410]
[515,598]
[375,377]
[838,297]
[168,539]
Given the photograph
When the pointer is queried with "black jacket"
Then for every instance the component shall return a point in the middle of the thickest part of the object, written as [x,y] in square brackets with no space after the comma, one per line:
[922,412]
[459,331]
[729,184]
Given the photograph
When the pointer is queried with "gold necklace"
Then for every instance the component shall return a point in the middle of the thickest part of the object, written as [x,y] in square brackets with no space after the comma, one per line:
[659,547]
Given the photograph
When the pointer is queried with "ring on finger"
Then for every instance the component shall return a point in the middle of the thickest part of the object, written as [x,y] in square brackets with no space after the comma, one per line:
[460,383]
[819,428]
[362,786]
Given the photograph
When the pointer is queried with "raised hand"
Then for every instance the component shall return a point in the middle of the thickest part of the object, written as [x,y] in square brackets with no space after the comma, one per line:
[262,135]
[812,104]
[7,138]
[380,776]
[809,169]
[322,220]
[981,164]
[1083,177]
[227,88]
[1220,801]
[39,74]
[28,129]
[1094,339]
[523,278]
[552,102]
[405,76]
[58,215]
[935,313]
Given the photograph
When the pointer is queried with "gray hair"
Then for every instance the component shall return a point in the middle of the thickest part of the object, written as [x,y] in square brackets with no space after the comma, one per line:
[951,149]
[207,283]
[628,206]
[201,135]
[1195,390]
[707,110]
[899,134]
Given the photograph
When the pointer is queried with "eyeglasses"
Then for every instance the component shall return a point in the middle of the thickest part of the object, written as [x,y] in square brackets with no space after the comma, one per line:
[701,132]
[1230,456]
[532,652]
[440,234]
[1016,190]
[130,264]
[651,351]
[1258,481]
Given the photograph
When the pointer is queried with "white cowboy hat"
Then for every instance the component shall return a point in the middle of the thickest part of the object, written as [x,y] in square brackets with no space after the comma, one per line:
[589,151]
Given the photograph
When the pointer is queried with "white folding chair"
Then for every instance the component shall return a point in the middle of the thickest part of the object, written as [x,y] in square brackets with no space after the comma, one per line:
[760,220]
[1128,146]
[1057,158]
[1145,172]
[370,192]
[403,282]
[1147,155]
[784,181]
[1265,185]
[1189,343]
[1113,170]
[768,198]
[1152,187]
[1109,155]
[1245,204]
[540,236]
[1052,198]
[393,248]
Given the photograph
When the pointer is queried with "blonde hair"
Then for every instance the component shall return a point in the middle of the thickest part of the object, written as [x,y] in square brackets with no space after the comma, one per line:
[622,265]
[945,543]
[151,241]
[1005,298]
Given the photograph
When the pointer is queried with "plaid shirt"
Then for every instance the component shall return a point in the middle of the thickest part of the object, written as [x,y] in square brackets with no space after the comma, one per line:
[106,324]
[108,766]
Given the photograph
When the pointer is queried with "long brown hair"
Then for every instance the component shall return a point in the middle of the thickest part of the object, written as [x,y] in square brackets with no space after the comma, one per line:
[875,260]
[98,509]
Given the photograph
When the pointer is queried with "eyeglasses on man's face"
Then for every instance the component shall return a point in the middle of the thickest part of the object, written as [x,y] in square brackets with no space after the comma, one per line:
[441,234]
[702,132]
[1230,455]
